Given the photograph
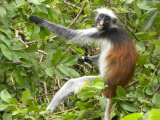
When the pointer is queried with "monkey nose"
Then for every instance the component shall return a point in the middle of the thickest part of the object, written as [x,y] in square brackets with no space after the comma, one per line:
[101,23]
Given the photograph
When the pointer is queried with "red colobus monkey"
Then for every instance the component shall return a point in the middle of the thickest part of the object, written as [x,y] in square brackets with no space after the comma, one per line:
[117,60]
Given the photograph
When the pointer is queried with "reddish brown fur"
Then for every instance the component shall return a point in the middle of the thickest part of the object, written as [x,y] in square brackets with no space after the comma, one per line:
[121,63]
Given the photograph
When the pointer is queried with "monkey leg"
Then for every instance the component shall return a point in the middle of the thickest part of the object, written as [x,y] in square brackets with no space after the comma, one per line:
[108,108]
[69,87]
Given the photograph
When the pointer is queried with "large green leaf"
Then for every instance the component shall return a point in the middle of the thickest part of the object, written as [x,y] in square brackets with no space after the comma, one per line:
[157,43]
[142,81]
[136,8]
[25,96]
[18,76]
[15,57]
[154,114]
[68,71]
[120,92]
[57,57]
[3,107]
[34,31]
[156,100]
[3,12]
[32,48]
[49,72]
[7,116]
[129,106]
[58,72]
[134,116]
[148,20]
[5,95]
[6,52]
[18,47]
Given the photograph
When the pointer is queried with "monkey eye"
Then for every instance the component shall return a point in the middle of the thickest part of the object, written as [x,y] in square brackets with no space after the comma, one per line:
[100,16]
[114,21]
[107,19]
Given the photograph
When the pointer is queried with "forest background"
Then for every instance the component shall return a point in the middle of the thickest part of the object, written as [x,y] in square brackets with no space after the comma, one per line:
[35,64]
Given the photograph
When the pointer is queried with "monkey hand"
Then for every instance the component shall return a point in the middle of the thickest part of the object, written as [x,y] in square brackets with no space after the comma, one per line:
[83,59]
[35,19]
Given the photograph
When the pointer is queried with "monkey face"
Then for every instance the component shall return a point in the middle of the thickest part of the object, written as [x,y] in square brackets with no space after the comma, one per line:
[104,22]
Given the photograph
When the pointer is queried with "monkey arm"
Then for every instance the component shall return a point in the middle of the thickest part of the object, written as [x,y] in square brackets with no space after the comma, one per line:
[90,60]
[82,36]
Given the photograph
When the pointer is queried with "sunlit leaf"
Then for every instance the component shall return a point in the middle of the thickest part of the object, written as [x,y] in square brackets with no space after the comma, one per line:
[5,95]
[3,12]
[148,20]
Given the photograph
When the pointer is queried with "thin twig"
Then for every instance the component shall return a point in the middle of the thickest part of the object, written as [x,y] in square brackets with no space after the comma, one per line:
[157,88]
[72,5]
[77,15]
[132,83]
[45,88]
[66,111]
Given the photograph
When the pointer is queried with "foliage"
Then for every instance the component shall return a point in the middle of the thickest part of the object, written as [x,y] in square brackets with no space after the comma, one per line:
[34,63]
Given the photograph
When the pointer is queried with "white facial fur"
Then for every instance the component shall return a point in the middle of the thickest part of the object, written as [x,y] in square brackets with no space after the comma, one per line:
[107,12]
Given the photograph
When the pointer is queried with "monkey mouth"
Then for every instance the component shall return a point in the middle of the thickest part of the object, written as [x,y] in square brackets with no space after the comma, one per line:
[100,26]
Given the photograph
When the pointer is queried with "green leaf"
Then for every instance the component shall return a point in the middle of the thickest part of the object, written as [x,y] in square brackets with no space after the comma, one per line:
[49,72]
[15,57]
[129,1]
[18,76]
[129,106]
[18,47]
[68,71]
[6,52]
[142,81]
[5,40]
[134,116]
[3,107]
[29,117]
[13,101]
[136,8]
[99,85]
[3,12]
[57,10]
[58,72]
[79,104]
[140,47]
[5,95]
[120,92]
[154,114]
[34,31]
[7,116]
[26,95]
[148,20]
[103,103]
[87,95]
[81,114]
[87,10]
[20,2]
[6,30]
[65,57]
[156,100]
[31,48]
[71,61]
[149,90]
[54,2]
[157,43]
[63,69]
[57,57]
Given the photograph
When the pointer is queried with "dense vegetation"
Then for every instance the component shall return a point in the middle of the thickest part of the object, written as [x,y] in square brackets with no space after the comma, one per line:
[35,63]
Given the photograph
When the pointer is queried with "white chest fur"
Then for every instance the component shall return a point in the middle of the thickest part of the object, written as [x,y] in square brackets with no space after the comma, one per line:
[105,47]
